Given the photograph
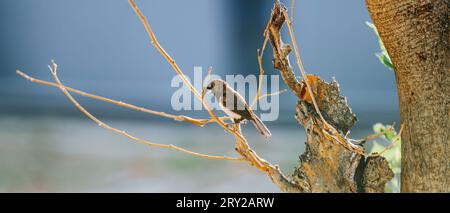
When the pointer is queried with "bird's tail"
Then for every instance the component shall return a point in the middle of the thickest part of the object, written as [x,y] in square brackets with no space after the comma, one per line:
[259,125]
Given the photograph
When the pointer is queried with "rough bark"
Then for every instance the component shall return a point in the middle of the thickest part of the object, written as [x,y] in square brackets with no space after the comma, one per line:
[328,166]
[416,36]
[325,166]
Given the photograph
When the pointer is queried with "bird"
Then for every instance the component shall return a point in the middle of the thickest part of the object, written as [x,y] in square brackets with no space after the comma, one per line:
[235,106]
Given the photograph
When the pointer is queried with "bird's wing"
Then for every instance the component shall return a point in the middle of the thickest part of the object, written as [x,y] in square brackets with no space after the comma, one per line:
[239,105]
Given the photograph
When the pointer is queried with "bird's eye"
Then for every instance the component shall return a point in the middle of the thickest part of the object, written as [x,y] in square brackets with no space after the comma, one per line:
[212,84]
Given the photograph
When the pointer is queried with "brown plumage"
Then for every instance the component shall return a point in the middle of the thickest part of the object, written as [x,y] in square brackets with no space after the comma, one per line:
[235,106]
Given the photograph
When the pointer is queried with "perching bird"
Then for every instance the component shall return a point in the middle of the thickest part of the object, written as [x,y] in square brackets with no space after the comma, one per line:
[237,108]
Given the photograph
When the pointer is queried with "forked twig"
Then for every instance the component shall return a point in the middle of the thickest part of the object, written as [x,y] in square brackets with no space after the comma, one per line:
[53,69]
[198,122]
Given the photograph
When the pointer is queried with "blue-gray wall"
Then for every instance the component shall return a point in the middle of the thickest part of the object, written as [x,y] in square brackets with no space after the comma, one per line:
[102,48]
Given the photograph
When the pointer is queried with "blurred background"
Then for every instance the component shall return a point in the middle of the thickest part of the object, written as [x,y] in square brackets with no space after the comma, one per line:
[47,145]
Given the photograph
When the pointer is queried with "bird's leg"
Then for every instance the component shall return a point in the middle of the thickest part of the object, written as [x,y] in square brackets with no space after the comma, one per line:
[235,121]
[243,121]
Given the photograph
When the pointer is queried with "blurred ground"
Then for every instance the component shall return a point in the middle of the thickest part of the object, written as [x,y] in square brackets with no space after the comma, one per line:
[63,154]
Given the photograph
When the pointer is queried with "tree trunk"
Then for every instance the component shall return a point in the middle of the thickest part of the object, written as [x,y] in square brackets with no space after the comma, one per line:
[416,36]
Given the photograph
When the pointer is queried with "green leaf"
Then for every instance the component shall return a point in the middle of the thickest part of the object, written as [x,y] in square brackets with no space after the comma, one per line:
[384,59]
[383,56]
[378,127]
[390,133]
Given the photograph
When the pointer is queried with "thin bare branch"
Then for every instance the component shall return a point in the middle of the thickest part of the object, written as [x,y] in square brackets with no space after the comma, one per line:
[198,122]
[261,75]
[377,135]
[292,10]
[53,69]
[273,94]
[258,96]
[300,64]
[266,36]
[207,81]
[394,141]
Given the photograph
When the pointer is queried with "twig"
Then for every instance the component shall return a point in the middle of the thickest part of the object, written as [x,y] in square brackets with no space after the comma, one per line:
[258,96]
[261,75]
[266,35]
[396,139]
[272,94]
[300,64]
[198,122]
[292,10]
[172,63]
[161,50]
[206,80]
[377,135]
[53,69]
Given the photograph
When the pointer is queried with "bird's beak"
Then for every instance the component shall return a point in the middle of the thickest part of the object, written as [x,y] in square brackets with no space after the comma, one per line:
[209,88]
